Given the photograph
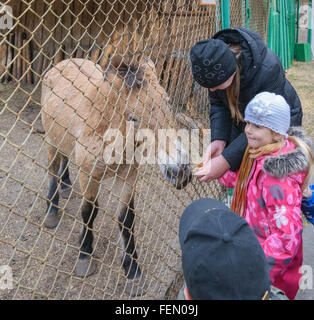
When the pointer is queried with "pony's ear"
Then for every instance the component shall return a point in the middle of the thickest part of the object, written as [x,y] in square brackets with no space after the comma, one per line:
[149,69]
[148,65]
[145,62]
[138,57]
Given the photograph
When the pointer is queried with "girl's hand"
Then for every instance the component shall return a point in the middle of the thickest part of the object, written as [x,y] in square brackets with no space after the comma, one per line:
[213,169]
[214,150]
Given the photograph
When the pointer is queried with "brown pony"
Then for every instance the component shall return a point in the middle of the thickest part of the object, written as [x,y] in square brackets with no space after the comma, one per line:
[80,102]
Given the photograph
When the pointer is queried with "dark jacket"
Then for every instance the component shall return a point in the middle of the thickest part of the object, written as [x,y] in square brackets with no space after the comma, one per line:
[261,71]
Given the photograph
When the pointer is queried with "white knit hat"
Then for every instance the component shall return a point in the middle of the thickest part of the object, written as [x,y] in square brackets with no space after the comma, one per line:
[269,110]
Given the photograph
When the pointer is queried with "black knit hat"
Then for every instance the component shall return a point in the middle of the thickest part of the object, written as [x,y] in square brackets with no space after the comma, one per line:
[221,255]
[213,62]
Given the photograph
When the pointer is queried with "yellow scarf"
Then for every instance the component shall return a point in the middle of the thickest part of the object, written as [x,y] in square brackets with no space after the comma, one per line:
[239,196]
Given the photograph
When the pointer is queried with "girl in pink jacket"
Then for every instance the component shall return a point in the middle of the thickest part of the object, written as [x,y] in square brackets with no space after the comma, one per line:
[269,185]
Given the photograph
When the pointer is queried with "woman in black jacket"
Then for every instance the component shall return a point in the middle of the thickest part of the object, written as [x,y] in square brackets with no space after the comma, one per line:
[235,65]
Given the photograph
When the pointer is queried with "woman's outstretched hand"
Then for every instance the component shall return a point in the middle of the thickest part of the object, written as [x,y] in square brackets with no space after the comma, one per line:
[214,164]
[213,169]
[214,150]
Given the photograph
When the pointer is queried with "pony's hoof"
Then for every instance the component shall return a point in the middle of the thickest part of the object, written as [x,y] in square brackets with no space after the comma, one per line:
[51,220]
[65,193]
[85,267]
[135,287]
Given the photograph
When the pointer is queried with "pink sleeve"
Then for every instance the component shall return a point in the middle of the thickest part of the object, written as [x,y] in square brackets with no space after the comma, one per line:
[284,230]
[229,178]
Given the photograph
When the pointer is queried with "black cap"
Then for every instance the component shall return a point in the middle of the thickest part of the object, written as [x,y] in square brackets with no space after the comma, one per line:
[213,62]
[222,258]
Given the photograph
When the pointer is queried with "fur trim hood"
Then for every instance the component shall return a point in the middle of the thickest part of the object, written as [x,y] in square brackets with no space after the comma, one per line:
[291,162]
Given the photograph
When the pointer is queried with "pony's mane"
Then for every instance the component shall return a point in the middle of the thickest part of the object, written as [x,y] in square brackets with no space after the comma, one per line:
[128,70]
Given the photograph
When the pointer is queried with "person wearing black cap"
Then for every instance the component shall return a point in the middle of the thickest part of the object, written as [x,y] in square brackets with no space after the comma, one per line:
[235,65]
[221,257]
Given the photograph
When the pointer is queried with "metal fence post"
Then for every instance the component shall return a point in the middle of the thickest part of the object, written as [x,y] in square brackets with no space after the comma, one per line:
[247,14]
[225,14]
[309,34]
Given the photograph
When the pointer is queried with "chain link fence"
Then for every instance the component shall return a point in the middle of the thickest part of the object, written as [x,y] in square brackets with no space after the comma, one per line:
[37,36]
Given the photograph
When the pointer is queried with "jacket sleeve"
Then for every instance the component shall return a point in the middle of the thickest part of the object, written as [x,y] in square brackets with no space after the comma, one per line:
[229,179]
[273,79]
[221,129]
[234,152]
[284,230]
[220,118]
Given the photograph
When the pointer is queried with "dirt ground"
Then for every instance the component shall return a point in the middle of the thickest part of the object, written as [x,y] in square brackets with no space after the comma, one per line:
[301,76]
[43,260]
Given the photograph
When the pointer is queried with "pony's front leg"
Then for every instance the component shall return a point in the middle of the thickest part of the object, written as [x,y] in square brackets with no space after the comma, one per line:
[129,256]
[126,187]
[89,186]
[54,159]
[65,178]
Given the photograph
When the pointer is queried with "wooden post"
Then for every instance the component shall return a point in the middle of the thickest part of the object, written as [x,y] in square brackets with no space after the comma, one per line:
[167,72]
[3,54]
[5,60]
[106,52]
[174,78]
[28,63]
[23,60]
[67,22]
[95,54]
[58,57]
[76,30]
[9,57]
[19,44]
[58,9]
[44,67]
[133,34]
[40,7]
[94,32]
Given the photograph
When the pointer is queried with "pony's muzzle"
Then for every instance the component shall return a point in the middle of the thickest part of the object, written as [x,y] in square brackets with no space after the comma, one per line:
[178,175]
